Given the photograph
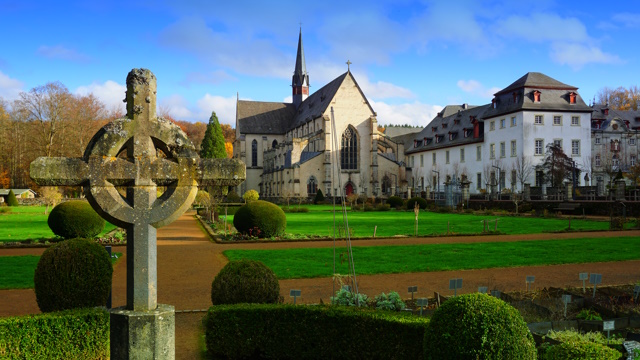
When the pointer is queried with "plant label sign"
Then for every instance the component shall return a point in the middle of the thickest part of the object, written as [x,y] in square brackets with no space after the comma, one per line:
[295,293]
[595,279]
[530,279]
[482,289]
[608,325]
[584,277]
[636,292]
[412,289]
[566,299]
[422,302]
[455,284]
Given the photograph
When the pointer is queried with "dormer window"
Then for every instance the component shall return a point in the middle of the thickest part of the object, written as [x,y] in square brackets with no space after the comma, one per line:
[415,143]
[494,103]
[605,111]
[438,138]
[434,128]
[452,135]
[572,97]
[429,140]
[466,132]
[536,96]
[516,98]
[444,126]
[456,121]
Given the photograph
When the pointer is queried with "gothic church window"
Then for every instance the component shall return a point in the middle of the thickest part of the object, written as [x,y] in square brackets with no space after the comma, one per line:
[254,153]
[274,144]
[312,186]
[349,149]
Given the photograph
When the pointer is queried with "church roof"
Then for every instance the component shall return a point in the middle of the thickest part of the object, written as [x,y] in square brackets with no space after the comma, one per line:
[317,103]
[632,117]
[259,117]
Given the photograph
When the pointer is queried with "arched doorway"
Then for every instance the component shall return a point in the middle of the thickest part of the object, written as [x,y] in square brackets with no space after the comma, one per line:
[348,189]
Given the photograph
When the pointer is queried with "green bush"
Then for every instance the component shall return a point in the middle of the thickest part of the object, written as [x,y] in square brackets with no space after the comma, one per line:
[311,332]
[394,201]
[245,281]
[260,218]
[422,203]
[319,198]
[617,223]
[578,350]
[11,199]
[73,274]
[233,197]
[345,297]
[251,195]
[75,219]
[383,207]
[391,301]
[588,314]
[71,334]
[478,326]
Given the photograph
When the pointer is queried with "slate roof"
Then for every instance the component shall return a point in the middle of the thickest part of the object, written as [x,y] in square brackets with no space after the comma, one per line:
[442,126]
[308,155]
[598,114]
[554,96]
[317,103]
[16,192]
[259,117]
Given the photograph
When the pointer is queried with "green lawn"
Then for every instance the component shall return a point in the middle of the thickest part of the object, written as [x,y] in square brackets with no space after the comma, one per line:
[29,222]
[318,262]
[16,272]
[319,221]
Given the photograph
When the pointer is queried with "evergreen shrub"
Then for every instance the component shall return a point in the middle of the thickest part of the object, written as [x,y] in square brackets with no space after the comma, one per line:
[422,203]
[578,350]
[71,274]
[319,198]
[75,219]
[11,199]
[260,218]
[394,201]
[268,331]
[617,223]
[250,195]
[478,326]
[245,281]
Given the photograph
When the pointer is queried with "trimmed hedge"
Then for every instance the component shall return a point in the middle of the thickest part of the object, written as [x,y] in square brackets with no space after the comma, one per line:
[75,219]
[71,334]
[394,201]
[578,350]
[260,218]
[422,203]
[73,274]
[245,281]
[249,331]
[478,326]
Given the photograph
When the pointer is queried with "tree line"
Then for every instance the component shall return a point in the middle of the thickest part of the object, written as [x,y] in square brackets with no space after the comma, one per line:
[50,121]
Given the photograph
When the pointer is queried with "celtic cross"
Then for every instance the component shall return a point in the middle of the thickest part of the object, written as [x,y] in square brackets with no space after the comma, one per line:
[139,153]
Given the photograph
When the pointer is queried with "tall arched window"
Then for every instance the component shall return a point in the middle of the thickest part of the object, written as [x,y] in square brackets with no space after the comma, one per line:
[274,144]
[386,185]
[254,153]
[349,150]
[312,186]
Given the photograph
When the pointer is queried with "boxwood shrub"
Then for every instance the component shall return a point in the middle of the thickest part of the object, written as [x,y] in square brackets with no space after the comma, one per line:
[422,203]
[245,281]
[73,274]
[478,326]
[75,219]
[394,201]
[249,331]
[260,218]
[71,334]
[578,350]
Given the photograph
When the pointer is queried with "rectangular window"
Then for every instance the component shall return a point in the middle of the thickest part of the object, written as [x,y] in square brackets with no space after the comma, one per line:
[513,148]
[598,160]
[502,149]
[492,125]
[538,147]
[503,176]
[421,160]
[446,156]
[513,121]
[514,178]
[557,120]
[478,153]
[479,181]
[575,121]
[632,160]
[538,120]
[502,123]
[575,147]
[461,155]
[413,161]
[433,158]
[492,151]
[632,141]
[597,140]
[539,177]
[558,143]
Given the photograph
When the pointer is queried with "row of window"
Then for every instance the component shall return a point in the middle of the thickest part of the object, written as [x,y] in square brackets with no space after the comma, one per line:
[492,150]
[615,143]
[539,146]
[557,120]
[615,160]
[502,122]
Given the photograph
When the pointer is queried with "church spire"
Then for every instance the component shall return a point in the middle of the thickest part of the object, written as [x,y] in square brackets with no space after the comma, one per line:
[300,80]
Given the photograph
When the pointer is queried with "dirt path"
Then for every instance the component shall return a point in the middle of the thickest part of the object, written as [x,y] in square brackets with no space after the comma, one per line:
[188,262]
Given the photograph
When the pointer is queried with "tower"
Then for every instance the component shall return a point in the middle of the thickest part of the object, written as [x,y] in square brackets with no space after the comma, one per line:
[300,80]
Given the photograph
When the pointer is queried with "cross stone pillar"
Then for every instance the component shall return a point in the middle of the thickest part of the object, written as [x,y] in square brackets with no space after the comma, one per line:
[140,153]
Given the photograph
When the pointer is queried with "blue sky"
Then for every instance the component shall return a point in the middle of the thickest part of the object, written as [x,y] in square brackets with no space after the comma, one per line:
[410,57]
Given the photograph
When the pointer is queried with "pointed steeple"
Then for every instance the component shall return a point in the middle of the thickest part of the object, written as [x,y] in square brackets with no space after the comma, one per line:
[300,80]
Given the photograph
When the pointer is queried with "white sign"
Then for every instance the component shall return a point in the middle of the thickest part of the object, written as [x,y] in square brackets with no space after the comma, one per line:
[608,325]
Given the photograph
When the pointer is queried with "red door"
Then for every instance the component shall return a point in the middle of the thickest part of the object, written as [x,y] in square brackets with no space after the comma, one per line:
[348,189]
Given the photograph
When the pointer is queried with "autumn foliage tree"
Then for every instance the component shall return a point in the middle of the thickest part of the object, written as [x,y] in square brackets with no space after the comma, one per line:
[620,98]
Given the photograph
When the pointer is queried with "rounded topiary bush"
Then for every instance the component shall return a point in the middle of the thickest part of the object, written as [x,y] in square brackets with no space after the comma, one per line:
[394,201]
[578,350]
[245,281]
[75,219]
[478,326]
[71,274]
[260,218]
[422,203]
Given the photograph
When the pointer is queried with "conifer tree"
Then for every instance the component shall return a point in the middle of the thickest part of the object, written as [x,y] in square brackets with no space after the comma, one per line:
[11,199]
[212,146]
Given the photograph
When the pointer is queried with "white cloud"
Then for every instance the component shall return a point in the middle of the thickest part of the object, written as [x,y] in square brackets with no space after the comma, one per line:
[382,89]
[415,113]
[542,28]
[9,88]
[61,52]
[578,55]
[225,108]
[176,105]
[627,19]
[476,88]
[110,93]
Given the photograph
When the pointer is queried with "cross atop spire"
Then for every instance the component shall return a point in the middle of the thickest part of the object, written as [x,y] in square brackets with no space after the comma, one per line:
[300,80]
[349,65]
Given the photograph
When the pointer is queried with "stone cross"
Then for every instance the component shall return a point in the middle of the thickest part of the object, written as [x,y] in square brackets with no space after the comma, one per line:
[139,153]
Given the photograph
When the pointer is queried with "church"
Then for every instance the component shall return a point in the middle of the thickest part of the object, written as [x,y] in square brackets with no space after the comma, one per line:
[328,141]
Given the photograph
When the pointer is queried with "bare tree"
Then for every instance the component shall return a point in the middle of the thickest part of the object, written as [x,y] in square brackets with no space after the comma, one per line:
[524,168]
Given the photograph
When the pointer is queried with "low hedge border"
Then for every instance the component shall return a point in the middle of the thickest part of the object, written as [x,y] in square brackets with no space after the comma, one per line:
[248,331]
[70,334]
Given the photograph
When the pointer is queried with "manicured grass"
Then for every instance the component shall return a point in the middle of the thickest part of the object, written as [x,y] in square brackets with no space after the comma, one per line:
[319,221]
[16,272]
[29,222]
[318,262]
